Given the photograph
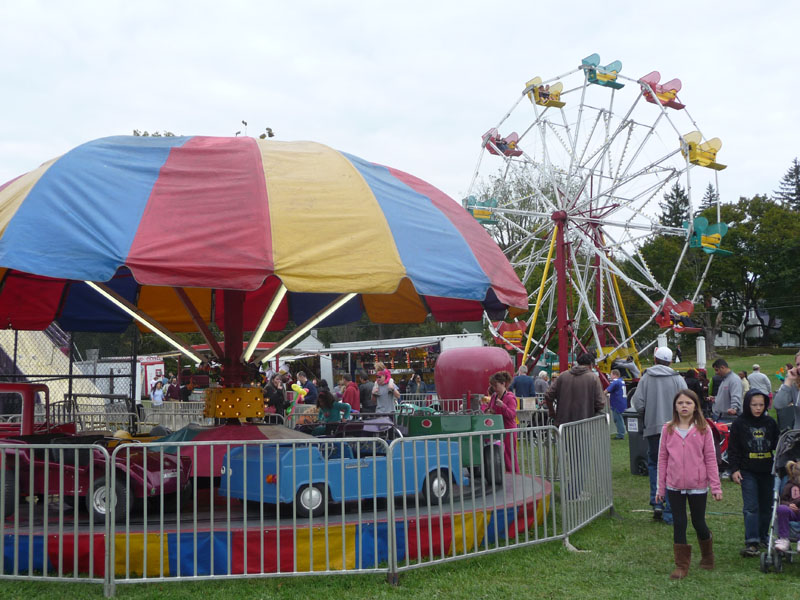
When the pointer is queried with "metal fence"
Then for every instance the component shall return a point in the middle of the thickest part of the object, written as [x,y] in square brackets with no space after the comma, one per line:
[200,510]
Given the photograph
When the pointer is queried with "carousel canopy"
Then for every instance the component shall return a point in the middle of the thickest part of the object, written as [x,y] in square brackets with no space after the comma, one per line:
[147,215]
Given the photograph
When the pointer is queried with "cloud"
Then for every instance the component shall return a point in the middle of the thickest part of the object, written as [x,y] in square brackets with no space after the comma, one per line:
[412,85]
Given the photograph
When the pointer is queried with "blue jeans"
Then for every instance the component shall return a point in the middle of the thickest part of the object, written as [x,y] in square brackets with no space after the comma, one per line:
[756,506]
[652,470]
[619,422]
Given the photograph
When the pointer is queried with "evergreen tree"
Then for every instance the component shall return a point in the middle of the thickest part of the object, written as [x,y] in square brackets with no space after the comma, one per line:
[710,198]
[788,192]
[675,207]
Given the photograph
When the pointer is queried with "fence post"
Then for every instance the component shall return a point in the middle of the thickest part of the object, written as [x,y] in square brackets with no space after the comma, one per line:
[71,361]
[392,576]
[109,585]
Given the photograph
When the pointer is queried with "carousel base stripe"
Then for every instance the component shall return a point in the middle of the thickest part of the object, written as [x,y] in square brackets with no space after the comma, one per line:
[311,552]
[468,531]
[92,200]
[24,544]
[500,519]
[139,564]
[96,549]
[250,560]
[206,176]
[428,538]
[182,556]
[315,193]
[373,544]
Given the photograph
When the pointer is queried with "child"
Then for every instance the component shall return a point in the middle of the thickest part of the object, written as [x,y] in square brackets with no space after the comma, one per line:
[753,438]
[330,411]
[503,402]
[687,464]
[618,402]
[789,508]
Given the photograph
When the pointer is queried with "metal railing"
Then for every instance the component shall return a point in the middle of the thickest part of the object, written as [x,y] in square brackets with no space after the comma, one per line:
[295,506]
[173,415]
[44,486]
[584,453]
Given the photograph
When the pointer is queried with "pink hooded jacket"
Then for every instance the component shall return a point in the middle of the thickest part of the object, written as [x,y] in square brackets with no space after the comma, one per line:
[687,464]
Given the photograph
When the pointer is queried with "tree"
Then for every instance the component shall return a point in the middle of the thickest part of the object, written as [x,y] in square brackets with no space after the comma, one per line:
[788,192]
[675,207]
[710,199]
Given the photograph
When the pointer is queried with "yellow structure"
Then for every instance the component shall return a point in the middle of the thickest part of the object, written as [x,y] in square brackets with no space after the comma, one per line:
[703,154]
[545,95]
[234,403]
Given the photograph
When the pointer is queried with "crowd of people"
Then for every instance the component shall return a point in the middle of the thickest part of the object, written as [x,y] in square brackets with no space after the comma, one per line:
[681,453]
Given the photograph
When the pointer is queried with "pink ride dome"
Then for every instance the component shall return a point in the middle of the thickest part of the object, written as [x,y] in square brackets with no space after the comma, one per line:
[460,371]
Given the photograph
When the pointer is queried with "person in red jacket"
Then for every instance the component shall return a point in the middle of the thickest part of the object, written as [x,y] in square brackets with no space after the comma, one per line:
[687,465]
[351,394]
[503,402]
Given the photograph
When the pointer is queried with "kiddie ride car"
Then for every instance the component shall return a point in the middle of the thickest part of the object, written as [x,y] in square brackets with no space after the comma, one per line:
[80,472]
[313,473]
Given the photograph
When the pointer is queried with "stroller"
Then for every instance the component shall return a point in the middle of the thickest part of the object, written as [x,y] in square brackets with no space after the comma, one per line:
[788,449]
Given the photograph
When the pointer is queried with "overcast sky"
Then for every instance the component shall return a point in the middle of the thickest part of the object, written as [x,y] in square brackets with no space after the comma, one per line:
[409,84]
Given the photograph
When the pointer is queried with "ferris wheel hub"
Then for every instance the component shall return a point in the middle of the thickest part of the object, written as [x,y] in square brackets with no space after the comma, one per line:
[559,216]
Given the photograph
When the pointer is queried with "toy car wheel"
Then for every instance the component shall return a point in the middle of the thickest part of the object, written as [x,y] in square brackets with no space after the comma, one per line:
[777,562]
[9,493]
[493,464]
[764,563]
[437,487]
[97,501]
[310,500]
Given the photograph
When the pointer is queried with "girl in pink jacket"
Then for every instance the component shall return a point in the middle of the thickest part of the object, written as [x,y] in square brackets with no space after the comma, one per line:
[687,465]
[503,402]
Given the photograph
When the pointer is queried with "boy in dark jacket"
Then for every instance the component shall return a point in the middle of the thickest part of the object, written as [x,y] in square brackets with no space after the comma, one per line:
[751,447]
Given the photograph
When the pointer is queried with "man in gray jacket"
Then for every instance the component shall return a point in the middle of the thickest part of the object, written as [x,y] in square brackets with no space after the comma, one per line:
[653,397]
[787,394]
[727,397]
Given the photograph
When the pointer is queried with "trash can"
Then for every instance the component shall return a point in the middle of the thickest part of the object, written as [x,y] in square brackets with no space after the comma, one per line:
[637,445]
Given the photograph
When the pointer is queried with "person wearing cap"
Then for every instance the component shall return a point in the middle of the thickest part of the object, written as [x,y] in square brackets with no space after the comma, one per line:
[759,381]
[727,398]
[653,397]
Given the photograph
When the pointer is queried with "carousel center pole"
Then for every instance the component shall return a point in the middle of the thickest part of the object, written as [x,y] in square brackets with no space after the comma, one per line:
[562,325]
[232,368]
[233,402]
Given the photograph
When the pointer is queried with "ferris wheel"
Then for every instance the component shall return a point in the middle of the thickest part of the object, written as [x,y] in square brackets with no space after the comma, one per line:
[570,182]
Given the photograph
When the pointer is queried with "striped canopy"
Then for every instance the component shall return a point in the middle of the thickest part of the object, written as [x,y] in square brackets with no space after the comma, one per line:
[150,214]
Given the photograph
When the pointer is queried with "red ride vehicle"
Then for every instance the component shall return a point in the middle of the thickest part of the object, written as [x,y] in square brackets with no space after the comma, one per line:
[80,473]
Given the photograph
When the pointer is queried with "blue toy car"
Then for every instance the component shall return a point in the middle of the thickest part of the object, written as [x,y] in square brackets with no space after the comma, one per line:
[337,471]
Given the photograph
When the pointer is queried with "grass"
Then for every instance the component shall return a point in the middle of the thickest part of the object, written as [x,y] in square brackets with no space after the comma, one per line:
[628,555]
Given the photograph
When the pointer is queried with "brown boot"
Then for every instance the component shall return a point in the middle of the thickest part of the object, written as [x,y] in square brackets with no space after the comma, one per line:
[707,554]
[683,556]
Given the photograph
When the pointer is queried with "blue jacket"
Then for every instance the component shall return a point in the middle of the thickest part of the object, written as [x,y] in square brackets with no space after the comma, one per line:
[522,386]
[311,396]
[616,393]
